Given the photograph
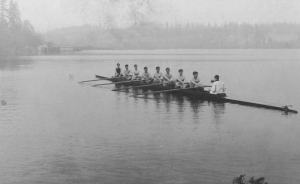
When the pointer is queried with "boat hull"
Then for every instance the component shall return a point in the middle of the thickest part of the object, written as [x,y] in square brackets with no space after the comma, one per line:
[202,95]
[213,97]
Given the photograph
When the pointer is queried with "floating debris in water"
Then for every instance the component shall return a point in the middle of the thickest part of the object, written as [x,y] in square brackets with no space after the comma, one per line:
[3,102]
[252,180]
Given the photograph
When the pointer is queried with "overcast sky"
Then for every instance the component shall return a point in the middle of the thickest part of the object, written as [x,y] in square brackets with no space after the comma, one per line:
[51,14]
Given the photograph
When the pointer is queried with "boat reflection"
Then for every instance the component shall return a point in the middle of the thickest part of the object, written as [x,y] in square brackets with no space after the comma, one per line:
[184,105]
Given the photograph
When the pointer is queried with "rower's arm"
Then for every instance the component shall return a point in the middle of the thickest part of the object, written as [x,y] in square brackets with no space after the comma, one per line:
[164,77]
[196,84]
[179,81]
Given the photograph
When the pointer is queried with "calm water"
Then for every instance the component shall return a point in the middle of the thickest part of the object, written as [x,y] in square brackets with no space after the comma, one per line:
[54,130]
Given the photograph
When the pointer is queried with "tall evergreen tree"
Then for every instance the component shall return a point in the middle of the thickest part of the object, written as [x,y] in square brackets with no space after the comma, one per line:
[14,17]
[3,10]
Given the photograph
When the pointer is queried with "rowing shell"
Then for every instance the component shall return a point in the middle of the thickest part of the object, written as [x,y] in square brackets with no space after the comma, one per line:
[207,96]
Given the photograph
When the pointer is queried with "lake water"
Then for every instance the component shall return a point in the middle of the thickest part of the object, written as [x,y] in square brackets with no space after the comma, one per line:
[55,130]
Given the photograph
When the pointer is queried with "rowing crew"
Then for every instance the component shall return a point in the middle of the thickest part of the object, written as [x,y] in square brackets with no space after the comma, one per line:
[218,86]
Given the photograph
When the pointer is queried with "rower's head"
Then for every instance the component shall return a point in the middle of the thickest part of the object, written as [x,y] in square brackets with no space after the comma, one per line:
[195,74]
[126,66]
[146,69]
[157,69]
[168,70]
[180,71]
[135,66]
[217,77]
[118,65]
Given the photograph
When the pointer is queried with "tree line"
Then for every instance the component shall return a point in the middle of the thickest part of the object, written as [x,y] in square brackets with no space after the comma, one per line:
[15,34]
[181,36]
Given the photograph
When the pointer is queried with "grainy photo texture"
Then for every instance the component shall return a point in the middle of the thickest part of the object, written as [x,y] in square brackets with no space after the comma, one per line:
[149,91]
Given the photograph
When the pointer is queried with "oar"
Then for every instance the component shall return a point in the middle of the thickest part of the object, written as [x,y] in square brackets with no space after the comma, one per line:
[123,82]
[170,90]
[91,80]
[120,89]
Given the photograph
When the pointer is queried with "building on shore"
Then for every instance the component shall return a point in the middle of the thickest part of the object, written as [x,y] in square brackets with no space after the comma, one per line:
[48,50]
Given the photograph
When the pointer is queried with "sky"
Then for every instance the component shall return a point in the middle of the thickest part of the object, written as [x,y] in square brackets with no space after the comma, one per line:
[47,15]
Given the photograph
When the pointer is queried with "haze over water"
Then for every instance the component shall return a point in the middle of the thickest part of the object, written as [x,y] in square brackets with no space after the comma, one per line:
[54,130]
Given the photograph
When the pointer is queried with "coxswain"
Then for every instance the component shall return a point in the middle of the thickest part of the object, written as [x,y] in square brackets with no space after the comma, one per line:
[136,73]
[157,77]
[218,86]
[181,81]
[195,81]
[168,78]
[118,71]
[127,73]
[146,76]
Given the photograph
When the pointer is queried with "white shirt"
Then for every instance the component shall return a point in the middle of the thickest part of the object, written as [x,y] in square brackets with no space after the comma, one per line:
[167,76]
[146,75]
[136,73]
[126,72]
[193,80]
[217,87]
[157,76]
[181,78]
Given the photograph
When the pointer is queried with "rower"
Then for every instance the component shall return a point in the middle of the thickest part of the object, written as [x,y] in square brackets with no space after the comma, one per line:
[146,75]
[136,73]
[157,77]
[195,81]
[118,72]
[168,78]
[218,86]
[181,81]
[127,73]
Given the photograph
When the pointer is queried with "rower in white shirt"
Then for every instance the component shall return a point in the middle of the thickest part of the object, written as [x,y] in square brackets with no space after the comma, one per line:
[136,73]
[167,77]
[181,81]
[127,73]
[157,76]
[146,75]
[195,81]
[218,86]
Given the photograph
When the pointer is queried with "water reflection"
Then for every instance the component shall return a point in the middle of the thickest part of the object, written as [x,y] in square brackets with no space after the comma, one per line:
[218,110]
[14,63]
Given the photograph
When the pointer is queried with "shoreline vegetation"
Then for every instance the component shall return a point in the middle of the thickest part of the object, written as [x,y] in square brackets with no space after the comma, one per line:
[15,34]
[150,36]
[19,38]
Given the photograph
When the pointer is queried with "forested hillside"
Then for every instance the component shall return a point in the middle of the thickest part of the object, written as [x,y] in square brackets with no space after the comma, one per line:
[188,36]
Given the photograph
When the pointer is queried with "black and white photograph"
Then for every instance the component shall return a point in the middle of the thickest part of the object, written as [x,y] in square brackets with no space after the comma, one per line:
[149,91]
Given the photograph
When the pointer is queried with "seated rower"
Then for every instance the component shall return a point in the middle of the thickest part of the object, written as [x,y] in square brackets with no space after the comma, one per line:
[146,75]
[181,81]
[118,72]
[127,73]
[195,81]
[157,77]
[168,78]
[136,73]
[218,86]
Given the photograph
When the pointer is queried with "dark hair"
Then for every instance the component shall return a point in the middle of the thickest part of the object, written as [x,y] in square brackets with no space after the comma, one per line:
[145,67]
[180,70]
[118,63]
[195,73]
[217,77]
[126,65]
[167,68]
[157,67]
[135,65]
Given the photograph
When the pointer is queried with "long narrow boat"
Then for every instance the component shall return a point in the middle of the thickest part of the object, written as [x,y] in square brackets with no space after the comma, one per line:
[207,96]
